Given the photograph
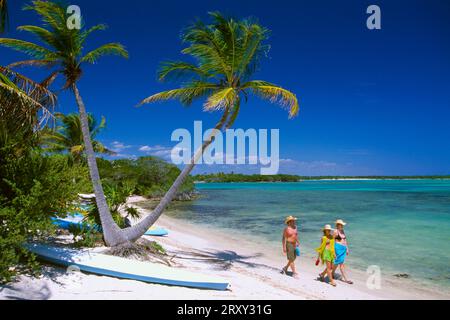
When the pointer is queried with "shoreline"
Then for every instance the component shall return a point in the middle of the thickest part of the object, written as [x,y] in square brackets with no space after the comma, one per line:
[269,259]
[251,268]
[329,179]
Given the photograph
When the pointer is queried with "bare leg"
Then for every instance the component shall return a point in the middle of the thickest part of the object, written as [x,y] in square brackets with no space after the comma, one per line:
[294,272]
[344,276]
[334,270]
[322,275]
[329,272]
[284,270]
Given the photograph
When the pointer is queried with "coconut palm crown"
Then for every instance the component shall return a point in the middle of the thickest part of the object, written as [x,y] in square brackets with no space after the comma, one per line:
[68,136]
[62,48]
[227,53]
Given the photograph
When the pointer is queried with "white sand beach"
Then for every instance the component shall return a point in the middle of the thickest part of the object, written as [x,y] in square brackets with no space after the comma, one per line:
[251,269]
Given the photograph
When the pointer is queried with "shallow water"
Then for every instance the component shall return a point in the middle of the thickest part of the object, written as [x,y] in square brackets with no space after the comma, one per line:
[400,225]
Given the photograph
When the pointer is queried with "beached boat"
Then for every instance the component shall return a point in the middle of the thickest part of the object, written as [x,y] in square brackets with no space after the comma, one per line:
[117,267]
[157,231]
[76,219]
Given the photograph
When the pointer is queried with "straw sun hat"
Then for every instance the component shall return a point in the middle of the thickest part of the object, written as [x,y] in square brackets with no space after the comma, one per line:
[327,227]
[341,222]
[289,219]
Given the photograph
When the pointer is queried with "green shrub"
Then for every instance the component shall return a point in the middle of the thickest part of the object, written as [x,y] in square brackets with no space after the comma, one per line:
[33,188]
[85,237]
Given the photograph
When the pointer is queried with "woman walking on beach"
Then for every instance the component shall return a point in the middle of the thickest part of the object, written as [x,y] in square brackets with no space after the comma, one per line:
[327,254]
[290,245]
[341,249]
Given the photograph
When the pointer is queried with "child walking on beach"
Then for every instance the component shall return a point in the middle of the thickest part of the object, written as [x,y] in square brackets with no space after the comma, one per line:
[290,245]
[327,254]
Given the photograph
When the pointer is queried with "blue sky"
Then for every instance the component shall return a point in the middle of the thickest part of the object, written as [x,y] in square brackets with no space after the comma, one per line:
[372,102]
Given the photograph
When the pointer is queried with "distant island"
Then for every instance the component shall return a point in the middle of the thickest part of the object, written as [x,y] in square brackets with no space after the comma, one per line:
[236,177]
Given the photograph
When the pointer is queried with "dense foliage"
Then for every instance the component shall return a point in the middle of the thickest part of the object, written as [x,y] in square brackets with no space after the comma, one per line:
[33,188]
[145,176]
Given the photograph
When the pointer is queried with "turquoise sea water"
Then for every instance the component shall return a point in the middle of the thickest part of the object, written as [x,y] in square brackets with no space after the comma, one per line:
[403,226]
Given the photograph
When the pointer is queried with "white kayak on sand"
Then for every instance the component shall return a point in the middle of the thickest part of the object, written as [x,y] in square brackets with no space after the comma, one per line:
[112,266]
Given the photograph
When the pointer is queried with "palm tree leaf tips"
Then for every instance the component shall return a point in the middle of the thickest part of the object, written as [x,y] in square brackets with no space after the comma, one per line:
[274,94]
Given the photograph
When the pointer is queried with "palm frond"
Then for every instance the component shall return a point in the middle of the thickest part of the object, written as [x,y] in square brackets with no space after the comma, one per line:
[23,102]
[222,99]
[179,69]
[251,48]
[87,33]
[106,49]
[187,95]
[52,14]
[42,34]
[100,148]
[274,94]
[31,49]
[97,128]
[33,62]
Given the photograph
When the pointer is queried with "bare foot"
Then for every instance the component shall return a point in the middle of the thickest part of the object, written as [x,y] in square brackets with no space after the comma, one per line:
[333,284]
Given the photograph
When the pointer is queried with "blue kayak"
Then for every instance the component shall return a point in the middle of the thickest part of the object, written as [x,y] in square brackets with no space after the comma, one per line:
[157,231]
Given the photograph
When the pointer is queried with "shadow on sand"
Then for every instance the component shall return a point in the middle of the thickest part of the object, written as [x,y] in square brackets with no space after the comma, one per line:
[222,260]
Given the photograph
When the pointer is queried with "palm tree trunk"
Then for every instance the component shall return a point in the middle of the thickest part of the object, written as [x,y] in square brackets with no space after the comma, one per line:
[135,232]
[111,231]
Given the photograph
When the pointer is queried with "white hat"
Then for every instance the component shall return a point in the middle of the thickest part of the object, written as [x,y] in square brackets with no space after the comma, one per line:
[289,219]
[341,222]
[327,227]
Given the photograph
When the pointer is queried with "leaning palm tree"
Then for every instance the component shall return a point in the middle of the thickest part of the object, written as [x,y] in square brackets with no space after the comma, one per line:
[68,136]
[227,53]
[63,49]
[3,15]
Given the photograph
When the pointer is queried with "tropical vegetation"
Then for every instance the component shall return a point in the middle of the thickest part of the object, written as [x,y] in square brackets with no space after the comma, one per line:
[34,186]
[148,176]
[68,136]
